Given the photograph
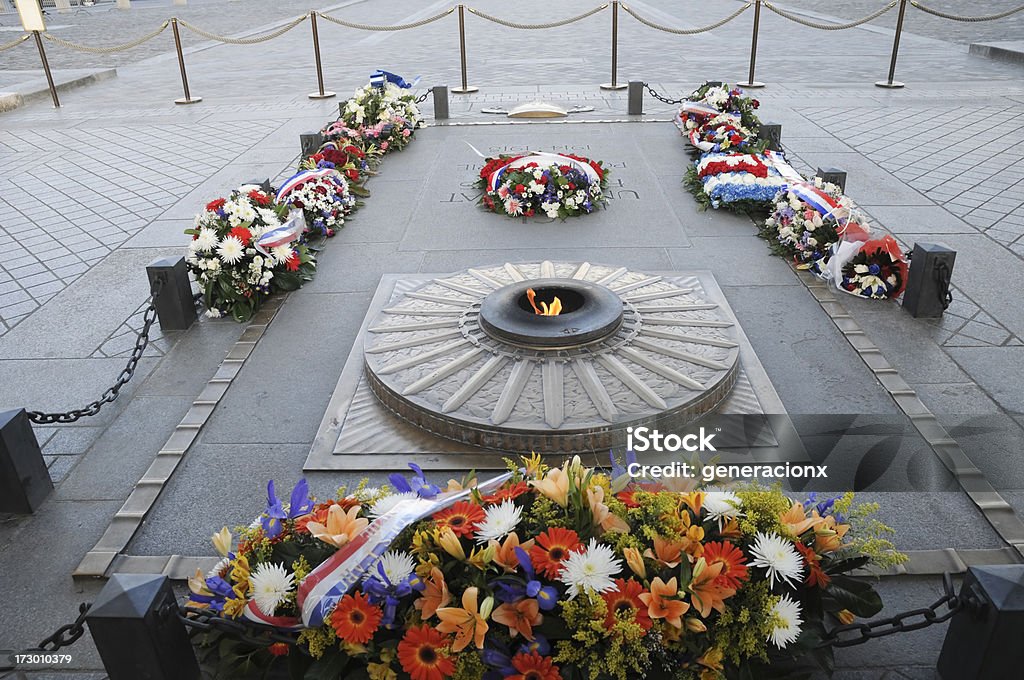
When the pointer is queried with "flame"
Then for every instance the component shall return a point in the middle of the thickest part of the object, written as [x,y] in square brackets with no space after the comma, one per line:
[554,309]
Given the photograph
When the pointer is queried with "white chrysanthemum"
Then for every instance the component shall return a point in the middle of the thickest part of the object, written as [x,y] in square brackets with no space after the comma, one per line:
[281,253]
[722,504]
[778,556]
[271,584]
[591,570]
[219,569]
[366,494]
[498,522]
[206,240]
[786,613]
[397,565]
[230,250]
[384,504]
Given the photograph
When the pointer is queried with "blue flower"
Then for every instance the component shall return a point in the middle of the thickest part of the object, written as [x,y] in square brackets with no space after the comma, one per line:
[619,470]
[300,504]
[547,596]
[419,483]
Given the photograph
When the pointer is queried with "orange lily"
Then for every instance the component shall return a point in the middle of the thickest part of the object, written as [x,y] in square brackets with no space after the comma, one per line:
[505,553]
[603,517]
[704,593]
[828,536]
[341,527]
[435,594]
[669,553]
[465,621]
[659,606]
[520,617]
[796,520]
[555,486]
[695,501]
[691,540]
[635,561]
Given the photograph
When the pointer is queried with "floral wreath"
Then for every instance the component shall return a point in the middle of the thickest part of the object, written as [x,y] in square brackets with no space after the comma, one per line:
[554,185]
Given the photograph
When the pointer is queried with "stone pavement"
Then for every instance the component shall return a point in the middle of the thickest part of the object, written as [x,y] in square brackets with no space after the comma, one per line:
[91,193]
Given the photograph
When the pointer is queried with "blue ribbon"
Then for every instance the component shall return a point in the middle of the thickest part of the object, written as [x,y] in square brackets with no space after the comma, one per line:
[379,77]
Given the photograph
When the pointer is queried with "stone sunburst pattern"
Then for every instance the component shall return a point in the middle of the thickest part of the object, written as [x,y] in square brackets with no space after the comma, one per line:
[674,358]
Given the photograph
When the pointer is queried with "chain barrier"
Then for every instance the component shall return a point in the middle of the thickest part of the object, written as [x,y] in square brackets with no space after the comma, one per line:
[106,50]
[654,93]
[830,27]
[245,41]
[530,27]
[66,635]
[251,633]
[685,31]
[15,42]
[943,277]
[904,622]
[423,97]
[396,27]
[955,17]
[141,342]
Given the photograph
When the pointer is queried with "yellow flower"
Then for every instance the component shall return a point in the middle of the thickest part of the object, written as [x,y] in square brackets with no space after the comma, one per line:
[447,539]
[481,557]
[233,608]
[712,659]
[635,562]
[222,542]
[381,671]
[845,617]
[694,625]
[534,465]
[341,527]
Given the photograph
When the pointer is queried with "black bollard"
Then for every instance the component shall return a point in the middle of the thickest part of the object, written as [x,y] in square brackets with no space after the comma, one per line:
[773,133]
[135,626]
[24,480]
[835,176]
[175,305]
[440,101]
[263,183]
[931,269]
[311,143]
[985,640]
[635,98]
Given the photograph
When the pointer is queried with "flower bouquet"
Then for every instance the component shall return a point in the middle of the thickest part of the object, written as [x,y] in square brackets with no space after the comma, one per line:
[242,250]
[878,270]
[545,573]
[724,133]
[722,98]
[748,186]
[381,117]
[348,159]
[322,195]
[807,219]
[555,185]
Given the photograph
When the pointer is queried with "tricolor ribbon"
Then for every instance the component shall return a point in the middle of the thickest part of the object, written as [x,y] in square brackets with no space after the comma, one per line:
[253,613]
[815,197]
[379,77]
[542,159]
[283,235]
[300,178]
[778,161]
[320,591]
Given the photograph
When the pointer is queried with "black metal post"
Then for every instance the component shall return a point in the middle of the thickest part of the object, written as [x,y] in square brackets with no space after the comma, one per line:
[134,623]
[835,176]
[24,480]
[311,142]
[614,85]
[984,641]
[931,269]
[263,183]
[890,83]
[773,133]
[46,69]
[440,101]
[320,93]
[465,88]
[175,305]
[753,47]
[635,98]
[188,98]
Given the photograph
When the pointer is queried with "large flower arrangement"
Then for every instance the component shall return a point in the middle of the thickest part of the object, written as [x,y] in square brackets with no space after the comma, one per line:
[878,270]
[348,159]
[554,185]
[723,98]
[242,250]
[806,222]
[546,573]
[743,183]
[323,196]
[382,117]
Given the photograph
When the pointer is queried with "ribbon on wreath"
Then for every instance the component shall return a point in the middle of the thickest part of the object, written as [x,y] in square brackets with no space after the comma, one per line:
[300,178]
[540,158]
[281,236]
[380,76]
[320,591]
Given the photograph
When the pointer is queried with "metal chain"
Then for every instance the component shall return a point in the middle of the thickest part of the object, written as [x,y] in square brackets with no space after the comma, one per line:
[15,43]
[654,93]
[68,634]
[943,277]
[903,622]
[149,317]
[530,27]
[423,97]
[829,27]
[252,633]
[396,27]
[685,31]
[954,17]
[106,50]
[245,41]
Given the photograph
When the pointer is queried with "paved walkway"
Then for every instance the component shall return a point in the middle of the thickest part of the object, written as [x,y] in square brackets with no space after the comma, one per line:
[91,193]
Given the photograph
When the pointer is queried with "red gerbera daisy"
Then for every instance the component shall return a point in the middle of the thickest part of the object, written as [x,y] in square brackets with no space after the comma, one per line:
[627,499]
[423,654]
[732,559]
[461,517]
[533,666]
[355,619]
[242,234]
[553,546]
[259,198]
[279,649]
[507,493]
[626,598]
[293,263]
[215,204]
